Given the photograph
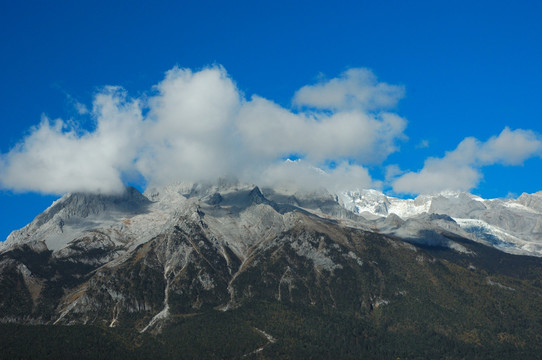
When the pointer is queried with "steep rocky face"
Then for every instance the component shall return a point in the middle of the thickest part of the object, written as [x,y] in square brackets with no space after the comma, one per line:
[74,214]
[533,201]
[138,258]
[195,258]
[134,260]
[140,261]
[178,272]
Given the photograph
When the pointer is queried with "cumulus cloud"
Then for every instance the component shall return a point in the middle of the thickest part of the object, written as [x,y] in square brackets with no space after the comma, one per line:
[57,157]
[190,131]
[198,126]
[354,89]
[301,175]
[270,131]
[438,175]
[460,169]
[511,147]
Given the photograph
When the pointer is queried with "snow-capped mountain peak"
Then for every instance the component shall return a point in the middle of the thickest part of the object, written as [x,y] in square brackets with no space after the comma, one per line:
[131,218]
[512,225]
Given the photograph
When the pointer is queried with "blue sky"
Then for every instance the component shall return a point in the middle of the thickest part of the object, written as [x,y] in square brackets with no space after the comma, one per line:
[465,71]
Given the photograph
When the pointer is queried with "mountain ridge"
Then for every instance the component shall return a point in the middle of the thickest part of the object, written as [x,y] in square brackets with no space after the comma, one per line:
[183,254]
[511,225]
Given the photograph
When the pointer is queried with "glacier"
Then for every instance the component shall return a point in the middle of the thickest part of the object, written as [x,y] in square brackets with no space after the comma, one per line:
[510,225]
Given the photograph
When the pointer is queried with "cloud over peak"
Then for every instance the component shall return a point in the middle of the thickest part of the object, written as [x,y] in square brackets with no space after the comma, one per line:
[271,131]
[198,126]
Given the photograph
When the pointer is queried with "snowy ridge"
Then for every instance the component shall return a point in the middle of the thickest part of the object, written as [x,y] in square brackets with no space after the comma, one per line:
[82,222]
[226,225]
[510,225]
[376,203]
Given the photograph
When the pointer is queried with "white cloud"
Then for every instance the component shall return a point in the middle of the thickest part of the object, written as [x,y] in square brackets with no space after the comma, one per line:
[391,172]
[355,88]
[511,147]
[190,129]
[303,176]
[436,176]
[198,126]
[56,157]
[460,169]
[271,131]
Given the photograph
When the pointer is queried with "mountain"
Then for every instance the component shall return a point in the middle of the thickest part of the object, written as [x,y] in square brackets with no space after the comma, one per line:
[510,225]
[231,270]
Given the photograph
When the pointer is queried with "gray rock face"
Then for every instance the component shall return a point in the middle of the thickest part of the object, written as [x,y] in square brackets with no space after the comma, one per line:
[80,205]
[138,259]
[461,206]
[73,214]
[533,201]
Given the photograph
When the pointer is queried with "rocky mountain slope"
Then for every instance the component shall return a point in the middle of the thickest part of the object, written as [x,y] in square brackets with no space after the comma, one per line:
[294,272]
